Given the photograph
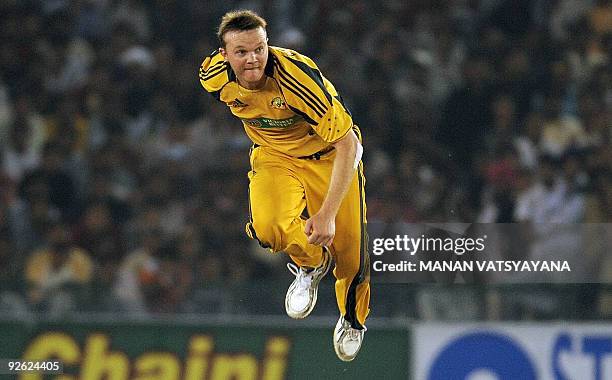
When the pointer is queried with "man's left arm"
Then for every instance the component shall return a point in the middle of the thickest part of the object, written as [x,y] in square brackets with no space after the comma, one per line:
[321,227]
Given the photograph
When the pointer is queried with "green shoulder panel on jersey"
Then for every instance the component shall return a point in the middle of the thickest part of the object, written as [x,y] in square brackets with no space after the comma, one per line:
[214,73]
[314,74]
[299,90]
[310,94]
[300,76]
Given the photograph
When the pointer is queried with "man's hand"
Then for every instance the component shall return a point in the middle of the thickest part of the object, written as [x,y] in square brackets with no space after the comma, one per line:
[321,229]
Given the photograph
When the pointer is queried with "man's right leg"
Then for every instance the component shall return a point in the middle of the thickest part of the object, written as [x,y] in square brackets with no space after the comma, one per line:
[276,204]
[277,200]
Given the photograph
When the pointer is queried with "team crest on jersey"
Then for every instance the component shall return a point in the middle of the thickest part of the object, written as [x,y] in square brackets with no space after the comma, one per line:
[278,103]
[237,104]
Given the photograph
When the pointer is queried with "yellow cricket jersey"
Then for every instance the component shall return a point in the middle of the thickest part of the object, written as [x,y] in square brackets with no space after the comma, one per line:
[298,112]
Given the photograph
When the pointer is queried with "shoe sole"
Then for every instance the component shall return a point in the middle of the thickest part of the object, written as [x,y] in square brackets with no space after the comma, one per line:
[343,357]
[340,355]
[314,297]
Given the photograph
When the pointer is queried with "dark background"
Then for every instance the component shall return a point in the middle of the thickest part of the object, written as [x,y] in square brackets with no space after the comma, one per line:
[123,184]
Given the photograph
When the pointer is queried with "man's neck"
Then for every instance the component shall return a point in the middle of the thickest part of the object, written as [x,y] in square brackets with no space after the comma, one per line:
[253,85]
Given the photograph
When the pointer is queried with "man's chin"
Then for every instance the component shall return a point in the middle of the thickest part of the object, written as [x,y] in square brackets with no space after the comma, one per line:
[254,78]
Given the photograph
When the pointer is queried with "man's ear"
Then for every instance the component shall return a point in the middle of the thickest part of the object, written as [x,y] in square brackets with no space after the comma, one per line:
[223,53]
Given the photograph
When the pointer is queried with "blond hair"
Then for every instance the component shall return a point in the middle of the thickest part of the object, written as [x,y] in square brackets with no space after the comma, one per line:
[239,20]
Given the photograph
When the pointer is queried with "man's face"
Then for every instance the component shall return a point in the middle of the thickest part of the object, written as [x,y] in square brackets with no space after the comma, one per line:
[247,53]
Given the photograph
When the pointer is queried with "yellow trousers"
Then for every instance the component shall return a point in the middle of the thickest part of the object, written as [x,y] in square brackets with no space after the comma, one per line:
[281,188]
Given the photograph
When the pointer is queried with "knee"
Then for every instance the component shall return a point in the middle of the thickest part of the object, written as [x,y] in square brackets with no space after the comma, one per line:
[268,232]
[347,267]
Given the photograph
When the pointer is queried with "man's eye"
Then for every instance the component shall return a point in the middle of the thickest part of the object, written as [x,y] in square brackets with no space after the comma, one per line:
[259,49]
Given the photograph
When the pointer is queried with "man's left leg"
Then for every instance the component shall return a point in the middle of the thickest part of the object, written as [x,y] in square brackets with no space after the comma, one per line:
[350,250]
[352,271]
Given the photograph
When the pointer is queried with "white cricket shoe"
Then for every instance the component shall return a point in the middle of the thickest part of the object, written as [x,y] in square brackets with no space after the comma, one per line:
[302,293]
[347,340]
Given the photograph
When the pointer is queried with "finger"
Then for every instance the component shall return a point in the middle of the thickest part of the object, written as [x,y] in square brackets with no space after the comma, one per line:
[322,240]
[329,242]
[308,228]
[313,237]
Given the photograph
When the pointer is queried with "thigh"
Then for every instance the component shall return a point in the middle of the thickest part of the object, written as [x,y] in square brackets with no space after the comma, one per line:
[276,195]
[351,235]
[351,240]
[351,218]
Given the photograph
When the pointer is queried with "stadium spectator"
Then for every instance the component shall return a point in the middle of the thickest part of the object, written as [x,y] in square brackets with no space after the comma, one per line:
[136,272]
[58,273]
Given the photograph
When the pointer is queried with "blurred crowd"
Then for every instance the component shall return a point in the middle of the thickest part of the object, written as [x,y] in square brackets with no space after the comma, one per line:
[122,182]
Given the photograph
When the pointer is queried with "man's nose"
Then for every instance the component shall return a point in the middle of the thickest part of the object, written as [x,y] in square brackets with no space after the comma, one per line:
[252,57]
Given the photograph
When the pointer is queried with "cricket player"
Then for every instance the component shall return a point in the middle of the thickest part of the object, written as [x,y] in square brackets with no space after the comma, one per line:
[306,184]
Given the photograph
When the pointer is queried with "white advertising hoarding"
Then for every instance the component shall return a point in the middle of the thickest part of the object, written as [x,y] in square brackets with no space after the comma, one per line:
[526,351]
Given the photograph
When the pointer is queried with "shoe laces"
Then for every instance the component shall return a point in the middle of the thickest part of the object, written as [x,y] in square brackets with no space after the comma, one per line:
[303,278]
[352,333]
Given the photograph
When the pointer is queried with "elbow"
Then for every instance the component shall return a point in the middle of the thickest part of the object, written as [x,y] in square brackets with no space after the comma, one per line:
[348,143]
[349,148]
